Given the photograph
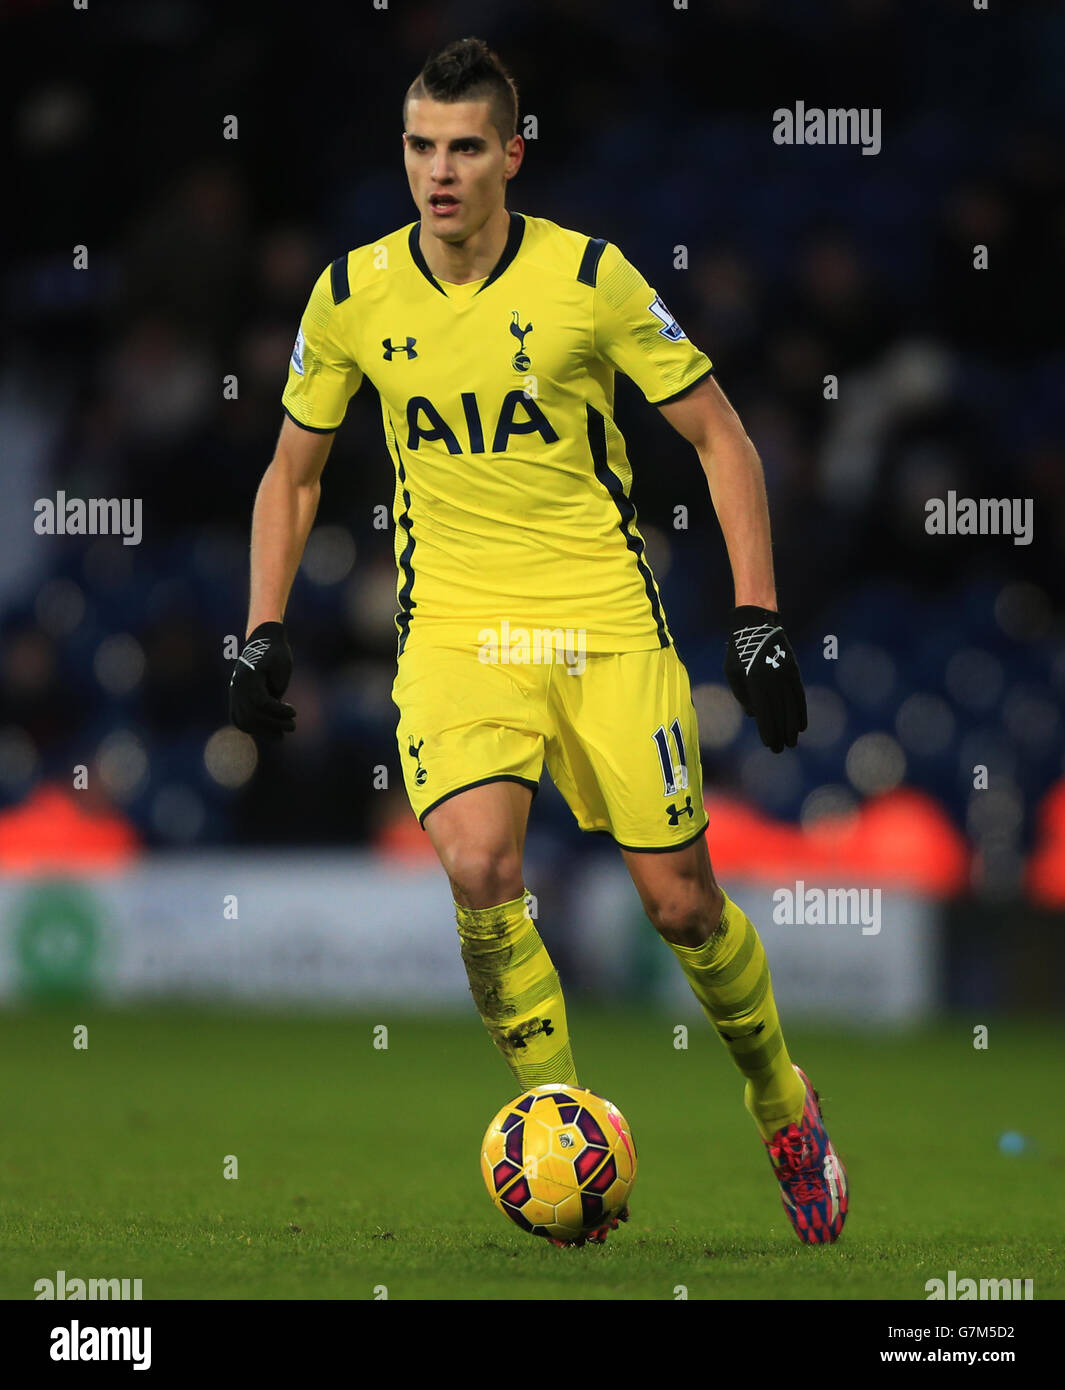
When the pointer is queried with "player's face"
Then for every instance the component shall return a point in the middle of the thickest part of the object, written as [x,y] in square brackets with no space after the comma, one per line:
[456,166]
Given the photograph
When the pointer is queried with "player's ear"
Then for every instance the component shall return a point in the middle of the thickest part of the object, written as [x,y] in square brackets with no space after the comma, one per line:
[515,153]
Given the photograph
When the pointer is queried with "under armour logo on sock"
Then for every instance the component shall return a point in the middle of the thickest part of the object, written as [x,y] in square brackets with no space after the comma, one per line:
[529,1030]
[735,1037]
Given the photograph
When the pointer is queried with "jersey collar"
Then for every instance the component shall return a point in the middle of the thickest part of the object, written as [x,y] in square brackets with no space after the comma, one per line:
[514,236]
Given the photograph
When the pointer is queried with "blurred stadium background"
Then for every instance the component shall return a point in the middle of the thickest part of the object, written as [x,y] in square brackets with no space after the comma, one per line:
[655,131]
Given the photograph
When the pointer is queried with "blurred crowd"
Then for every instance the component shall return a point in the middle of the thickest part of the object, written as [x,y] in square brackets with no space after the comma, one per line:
[653,130]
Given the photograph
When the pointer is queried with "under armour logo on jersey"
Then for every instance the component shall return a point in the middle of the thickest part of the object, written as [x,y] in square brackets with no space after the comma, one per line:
[750,641]
[408,348]
[676,812]
[777,657]
[522,360]
[254,651]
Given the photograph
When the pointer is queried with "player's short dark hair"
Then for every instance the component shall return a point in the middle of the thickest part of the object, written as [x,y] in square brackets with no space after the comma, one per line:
[468,70]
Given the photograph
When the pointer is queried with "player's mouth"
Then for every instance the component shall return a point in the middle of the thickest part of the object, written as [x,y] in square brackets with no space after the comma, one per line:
[443,204]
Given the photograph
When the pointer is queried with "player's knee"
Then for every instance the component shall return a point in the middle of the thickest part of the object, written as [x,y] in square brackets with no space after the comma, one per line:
[484,876]
[688,915]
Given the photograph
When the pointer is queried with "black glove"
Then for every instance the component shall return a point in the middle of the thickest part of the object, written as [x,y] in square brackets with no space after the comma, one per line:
[260,676]
[760,667]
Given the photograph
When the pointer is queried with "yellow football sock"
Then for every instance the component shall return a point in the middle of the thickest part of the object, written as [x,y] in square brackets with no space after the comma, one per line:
[517,992]
[729,975]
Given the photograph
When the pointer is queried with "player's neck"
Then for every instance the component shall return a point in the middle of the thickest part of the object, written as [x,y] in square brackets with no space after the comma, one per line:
[473,259]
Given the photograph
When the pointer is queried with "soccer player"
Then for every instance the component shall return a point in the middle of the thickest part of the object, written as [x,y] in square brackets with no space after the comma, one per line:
[530,625]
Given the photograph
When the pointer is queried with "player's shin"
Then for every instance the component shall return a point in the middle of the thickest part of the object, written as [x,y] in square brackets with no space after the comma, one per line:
[729,974]
[517,991]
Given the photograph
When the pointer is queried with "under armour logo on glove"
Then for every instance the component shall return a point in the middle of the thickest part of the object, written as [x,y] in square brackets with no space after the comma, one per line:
[750,641]
[770,692]
[253,651]
[260,677]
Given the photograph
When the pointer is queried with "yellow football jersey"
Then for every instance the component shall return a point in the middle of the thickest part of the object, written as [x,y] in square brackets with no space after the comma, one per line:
[512,481]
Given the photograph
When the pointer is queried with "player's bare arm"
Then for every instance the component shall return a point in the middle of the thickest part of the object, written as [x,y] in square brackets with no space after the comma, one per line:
[760,665]
[284,512]
[706,419]
[285,508]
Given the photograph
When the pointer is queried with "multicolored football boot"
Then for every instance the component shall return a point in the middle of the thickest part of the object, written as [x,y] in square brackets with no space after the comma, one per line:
[813,1181]
[596,1237]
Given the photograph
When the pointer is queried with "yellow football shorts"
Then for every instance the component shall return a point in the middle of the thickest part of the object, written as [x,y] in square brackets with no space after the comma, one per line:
[620,738]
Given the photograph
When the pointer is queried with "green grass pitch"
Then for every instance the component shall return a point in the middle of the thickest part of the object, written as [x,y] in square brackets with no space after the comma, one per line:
[358,1167]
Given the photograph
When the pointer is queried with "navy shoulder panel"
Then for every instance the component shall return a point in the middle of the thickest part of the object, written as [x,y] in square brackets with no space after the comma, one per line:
[338,274]
[590,260]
